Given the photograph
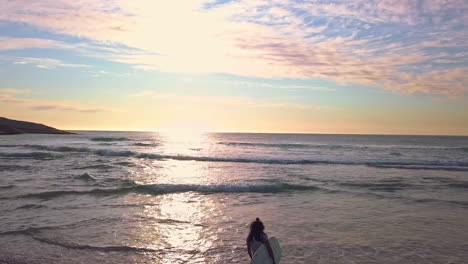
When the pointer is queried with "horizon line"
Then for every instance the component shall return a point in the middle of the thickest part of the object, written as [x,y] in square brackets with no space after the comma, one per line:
[291,133]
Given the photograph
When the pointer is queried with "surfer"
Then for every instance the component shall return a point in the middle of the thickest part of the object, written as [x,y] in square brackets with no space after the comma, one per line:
[257,237]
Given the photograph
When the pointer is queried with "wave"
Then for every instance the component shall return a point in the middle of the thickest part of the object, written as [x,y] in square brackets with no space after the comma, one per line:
[31,206]
[459,185]
[25,231]
[443,167]
[140,144]
[13,167]
[113,153]
[58,149]
[338,147]
[102,152]
[161,189]
[432,165]
[126,163]
[158,189]
[85,176]
[31,155]
[97,248]
[109,139]
[388,187]
[374,185]
[97,166]
[460,203]
[33,233]
[10,186]
[416,165]
[274,145]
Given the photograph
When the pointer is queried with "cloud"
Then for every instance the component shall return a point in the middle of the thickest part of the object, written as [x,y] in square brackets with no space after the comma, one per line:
[13,96]
[61,107]
[452,83]
[48,63]
[393,44]
[7,43]
[279,86]
[389,11]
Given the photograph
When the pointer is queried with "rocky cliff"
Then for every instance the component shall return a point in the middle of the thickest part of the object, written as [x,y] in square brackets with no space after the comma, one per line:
[11,127]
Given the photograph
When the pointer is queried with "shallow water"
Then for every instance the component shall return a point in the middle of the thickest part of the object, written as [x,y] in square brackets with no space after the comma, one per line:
[131,197]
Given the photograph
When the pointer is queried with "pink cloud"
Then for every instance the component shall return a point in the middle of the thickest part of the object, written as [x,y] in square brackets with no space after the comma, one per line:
[24,43]
[84,18]
[452,83]
[48,63]
[180,37]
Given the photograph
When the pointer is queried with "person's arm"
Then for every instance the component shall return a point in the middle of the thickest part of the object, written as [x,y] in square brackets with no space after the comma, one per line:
[249,249]
[270,251]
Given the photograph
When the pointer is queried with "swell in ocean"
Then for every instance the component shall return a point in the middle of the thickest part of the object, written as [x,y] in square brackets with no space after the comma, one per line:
[335,147]
[382,189]
[53,152]
[158,189]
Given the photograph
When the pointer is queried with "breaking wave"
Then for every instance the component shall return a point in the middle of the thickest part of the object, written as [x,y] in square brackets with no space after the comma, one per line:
[59,148]
[109,139]
[412,165]
[158,189]
[98,167]
[85,176]
[140,144]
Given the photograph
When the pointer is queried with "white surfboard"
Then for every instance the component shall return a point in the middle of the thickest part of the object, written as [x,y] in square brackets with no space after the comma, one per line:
[261,256]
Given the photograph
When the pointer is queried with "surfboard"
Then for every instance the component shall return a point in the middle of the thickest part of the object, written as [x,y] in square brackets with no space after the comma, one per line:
[261,256]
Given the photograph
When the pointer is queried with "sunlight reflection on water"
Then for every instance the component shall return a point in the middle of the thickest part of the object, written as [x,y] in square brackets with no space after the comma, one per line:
[185,143]
[178,226]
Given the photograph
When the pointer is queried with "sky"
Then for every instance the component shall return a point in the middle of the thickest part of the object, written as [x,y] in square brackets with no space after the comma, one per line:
[360,67]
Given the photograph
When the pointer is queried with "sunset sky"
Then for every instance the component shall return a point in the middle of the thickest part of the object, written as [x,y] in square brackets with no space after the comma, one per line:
[364,66]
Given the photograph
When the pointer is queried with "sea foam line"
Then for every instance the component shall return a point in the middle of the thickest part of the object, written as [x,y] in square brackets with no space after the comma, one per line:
[421,165]
[158,189]
[32,232]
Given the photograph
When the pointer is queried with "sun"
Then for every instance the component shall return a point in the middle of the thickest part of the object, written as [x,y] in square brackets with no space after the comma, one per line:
[185,132]
[186,129]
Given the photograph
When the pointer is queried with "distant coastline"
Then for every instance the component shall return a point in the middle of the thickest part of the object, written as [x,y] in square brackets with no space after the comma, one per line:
[14,127]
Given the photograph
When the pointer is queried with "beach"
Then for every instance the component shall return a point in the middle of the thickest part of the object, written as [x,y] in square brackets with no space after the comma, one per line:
[145,197]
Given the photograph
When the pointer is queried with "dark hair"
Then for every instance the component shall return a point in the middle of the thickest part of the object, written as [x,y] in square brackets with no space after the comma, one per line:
[256,229]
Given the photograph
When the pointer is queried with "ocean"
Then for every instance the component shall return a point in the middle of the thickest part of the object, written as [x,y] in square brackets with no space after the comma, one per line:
[143,197]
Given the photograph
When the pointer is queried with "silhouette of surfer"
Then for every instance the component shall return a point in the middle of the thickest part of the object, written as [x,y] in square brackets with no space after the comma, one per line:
[257,237]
